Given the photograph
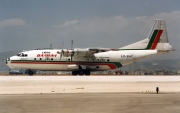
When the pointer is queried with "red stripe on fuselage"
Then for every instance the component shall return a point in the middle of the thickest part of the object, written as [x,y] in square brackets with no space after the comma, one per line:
[156,39]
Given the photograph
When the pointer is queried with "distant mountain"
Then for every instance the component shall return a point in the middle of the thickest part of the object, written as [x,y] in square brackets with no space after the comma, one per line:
[155,65]
[143,65]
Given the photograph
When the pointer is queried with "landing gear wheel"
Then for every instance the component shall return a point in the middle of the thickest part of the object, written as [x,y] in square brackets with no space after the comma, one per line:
[87,73]
[81,73]
[74,73]
[30,73]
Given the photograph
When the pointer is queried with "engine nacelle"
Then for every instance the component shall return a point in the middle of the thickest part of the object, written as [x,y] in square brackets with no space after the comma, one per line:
[80,52]
[75,52]
[67,52]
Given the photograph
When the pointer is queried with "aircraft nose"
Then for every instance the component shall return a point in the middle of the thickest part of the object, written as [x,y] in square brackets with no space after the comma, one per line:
[6,61]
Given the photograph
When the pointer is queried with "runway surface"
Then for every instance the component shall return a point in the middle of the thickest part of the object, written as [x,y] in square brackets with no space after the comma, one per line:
[89,94]
[91,103]
[87,84]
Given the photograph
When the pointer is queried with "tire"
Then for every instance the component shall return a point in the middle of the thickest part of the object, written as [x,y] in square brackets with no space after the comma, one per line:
[30,73]
[81,73]
[74,73]
[87,73]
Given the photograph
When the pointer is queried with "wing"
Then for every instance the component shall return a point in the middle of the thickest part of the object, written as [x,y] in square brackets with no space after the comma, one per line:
[84,51]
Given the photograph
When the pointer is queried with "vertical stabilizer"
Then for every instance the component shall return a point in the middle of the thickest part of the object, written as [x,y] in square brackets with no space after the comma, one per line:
[160,26]
[157,39]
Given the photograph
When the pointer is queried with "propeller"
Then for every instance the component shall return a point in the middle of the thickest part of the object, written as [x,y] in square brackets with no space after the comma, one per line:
[72,53]
[51,45]
[62,52]
[71,44]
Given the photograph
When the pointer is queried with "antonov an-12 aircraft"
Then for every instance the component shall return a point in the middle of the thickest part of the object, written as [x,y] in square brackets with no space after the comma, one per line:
[81,61]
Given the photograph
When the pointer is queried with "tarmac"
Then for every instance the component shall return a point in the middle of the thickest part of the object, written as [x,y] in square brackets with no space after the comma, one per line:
[91,103]
[87,84]
[89,94]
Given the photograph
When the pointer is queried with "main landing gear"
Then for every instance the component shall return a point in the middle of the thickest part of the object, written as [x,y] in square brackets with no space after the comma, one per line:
[81,73]
[30,72]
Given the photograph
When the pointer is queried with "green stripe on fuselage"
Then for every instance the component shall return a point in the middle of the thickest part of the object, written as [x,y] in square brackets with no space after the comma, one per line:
[117,64]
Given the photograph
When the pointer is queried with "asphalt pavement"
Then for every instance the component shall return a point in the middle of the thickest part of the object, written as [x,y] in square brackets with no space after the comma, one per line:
[91,103]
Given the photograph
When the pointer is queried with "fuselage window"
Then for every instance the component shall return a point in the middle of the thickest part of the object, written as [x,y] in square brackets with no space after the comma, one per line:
[87,59]
[40,59]
[97,59]
[108,60]
[51,58]
[68,59]
[25,55]
[34,58]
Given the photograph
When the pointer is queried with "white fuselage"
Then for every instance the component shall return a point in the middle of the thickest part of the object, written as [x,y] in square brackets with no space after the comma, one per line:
[53,60]
[81,61]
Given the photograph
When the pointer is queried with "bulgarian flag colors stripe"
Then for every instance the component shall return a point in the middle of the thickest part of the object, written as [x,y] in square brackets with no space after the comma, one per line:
[154,39]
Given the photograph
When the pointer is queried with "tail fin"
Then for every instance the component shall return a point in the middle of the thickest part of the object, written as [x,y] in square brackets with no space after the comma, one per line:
[157,39]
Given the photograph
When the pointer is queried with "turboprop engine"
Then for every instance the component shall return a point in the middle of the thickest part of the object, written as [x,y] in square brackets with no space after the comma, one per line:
[75,52]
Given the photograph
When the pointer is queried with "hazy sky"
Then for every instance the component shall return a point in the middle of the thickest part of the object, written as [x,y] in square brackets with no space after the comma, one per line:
[30,24]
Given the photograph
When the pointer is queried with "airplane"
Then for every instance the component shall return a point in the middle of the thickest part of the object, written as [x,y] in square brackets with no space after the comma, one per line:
[81,61]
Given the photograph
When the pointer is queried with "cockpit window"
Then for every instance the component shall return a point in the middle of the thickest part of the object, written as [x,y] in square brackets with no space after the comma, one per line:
[22,55]
[19,54]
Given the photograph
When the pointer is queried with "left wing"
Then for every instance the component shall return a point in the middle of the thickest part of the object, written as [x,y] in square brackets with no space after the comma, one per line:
[84,51]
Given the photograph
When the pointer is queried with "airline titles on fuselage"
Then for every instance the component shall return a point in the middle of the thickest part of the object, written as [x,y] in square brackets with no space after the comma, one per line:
[46,55]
